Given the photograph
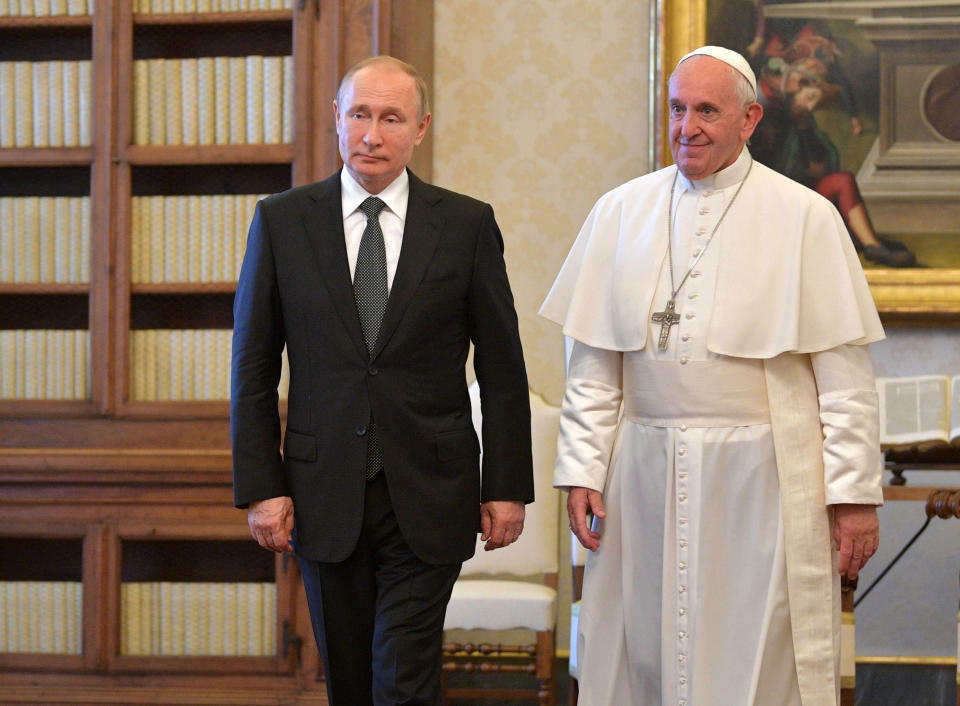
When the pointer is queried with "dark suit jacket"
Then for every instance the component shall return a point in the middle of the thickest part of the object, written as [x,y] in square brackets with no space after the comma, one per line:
[450,287]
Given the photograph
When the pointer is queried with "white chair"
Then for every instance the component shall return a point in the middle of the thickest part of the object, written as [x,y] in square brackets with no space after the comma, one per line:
[483,603]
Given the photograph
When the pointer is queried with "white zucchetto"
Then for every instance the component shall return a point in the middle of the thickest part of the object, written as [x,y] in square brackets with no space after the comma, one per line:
[729,57]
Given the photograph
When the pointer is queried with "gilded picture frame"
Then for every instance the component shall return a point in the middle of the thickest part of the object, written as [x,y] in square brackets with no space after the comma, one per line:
[914,41]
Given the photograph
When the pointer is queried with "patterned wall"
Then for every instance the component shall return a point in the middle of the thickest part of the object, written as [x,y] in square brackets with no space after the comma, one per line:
[539,107]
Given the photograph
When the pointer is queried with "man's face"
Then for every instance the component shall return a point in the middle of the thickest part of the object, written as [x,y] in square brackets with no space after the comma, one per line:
[708,122]
[378,125]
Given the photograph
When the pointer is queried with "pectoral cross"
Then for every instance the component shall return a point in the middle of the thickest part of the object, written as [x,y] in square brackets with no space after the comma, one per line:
[667,319]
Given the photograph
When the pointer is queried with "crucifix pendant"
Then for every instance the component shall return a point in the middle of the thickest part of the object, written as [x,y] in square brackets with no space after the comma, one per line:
[667,319]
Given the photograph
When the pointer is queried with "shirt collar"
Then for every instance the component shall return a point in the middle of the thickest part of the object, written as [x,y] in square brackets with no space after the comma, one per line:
[395,196]
[728,176]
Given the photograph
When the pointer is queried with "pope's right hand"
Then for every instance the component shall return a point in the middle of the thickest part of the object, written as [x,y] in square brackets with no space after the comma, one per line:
[271,523]
[580,501]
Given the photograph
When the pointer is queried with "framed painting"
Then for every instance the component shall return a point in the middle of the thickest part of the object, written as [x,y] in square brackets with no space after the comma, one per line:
[862,103]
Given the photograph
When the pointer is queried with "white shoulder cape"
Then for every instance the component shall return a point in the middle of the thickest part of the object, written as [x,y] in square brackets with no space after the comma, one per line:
[789,280]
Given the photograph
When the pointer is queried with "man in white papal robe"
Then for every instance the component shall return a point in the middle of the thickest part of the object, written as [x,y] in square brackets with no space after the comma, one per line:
[720,419]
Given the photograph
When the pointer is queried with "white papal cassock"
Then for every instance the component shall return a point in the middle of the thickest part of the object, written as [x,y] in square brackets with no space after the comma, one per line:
[718,457]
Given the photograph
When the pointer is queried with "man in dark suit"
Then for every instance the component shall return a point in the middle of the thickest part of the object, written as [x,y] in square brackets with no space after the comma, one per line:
[377,283]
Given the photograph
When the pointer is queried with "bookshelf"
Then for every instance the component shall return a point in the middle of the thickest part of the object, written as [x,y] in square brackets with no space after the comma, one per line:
[128,175]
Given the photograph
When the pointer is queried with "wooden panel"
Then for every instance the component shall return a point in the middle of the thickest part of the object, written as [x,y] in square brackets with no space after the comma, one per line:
[412,39]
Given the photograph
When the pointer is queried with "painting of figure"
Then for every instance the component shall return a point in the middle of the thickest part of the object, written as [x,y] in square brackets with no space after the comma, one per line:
[818,80]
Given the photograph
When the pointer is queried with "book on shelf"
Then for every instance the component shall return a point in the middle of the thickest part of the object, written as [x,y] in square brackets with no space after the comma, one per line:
[84,102]
[217,225]
[213,100]
[6,239]
[182,233]
[210,354]
[206,101]
[157,238]
[195,238]
[221,105]
[228,249]
[41,617]
[47,239]
[156,83]
[80,239]
[8,135]
[288,85]
[920,411]
[238,102]
[8,373]
[45,103]
[215,619]
[43,364]
[130,635]
[198,618]
[40,93]
[272,99]
[208,204]
[137,241]
[193,599]
[188,101]
[56,99]
[175,352]
[15,267]
[61,238]
[254,99]
[171,254]
[165,609]
[186,364]
[173,100]
[177,618]
[141,102]
[71,104]
[189,238]
[156,621]
[23,104]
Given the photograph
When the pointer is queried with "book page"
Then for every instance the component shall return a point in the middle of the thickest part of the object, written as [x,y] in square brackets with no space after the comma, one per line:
[914,409]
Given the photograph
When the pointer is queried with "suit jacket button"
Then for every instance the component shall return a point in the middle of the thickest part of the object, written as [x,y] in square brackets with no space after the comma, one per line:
[373,370]
[361,431]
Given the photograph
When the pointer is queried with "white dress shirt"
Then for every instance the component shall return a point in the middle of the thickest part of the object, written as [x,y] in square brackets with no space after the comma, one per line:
[392,218]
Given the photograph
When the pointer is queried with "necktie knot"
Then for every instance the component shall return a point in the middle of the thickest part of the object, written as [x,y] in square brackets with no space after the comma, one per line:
[371,207]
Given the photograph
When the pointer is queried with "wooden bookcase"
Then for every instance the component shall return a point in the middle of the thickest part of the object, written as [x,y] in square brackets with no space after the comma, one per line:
[105,492]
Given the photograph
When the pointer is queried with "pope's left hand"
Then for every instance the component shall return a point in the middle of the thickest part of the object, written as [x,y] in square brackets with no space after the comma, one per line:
[501,522]
[856,534]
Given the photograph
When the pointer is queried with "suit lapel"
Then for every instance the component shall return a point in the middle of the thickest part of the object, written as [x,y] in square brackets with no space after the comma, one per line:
[323,225]
[421,233]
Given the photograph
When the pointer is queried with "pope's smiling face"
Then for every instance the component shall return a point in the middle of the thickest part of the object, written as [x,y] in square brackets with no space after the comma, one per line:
[709,120]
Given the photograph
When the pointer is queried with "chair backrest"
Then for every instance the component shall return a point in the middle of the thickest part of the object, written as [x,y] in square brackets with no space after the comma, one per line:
[537,549]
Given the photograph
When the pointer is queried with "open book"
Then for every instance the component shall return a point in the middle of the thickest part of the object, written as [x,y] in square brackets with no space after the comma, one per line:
[921,410]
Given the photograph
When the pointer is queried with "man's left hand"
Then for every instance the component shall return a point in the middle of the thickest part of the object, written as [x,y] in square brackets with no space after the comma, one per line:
[856,533]
[501,522]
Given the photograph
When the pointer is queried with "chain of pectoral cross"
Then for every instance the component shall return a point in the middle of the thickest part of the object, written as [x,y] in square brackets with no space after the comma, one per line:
[668,318]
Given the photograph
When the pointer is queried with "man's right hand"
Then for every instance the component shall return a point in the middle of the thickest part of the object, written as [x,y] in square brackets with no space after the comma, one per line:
[271,523]
[579,502]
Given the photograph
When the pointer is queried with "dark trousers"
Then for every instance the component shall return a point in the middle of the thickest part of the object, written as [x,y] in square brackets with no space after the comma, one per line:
[378,615]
